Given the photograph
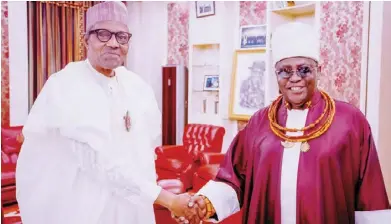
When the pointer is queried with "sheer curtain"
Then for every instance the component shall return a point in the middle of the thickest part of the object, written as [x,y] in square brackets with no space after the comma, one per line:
[55,30]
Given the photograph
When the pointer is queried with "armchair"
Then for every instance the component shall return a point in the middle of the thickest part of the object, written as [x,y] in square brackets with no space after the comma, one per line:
[10,215]
[11,141]
[210,164]
[163,215]
[209,167]
[181,161]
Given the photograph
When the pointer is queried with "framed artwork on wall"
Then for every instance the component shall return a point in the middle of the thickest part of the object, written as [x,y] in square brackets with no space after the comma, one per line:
[211,83]
[205,8]
[247,83]
[253,36]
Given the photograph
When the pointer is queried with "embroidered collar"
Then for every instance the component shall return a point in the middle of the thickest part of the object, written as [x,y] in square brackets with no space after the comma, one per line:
[103,80]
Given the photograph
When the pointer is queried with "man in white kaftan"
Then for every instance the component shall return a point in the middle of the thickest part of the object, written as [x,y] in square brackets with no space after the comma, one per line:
[88,153]
[91,140]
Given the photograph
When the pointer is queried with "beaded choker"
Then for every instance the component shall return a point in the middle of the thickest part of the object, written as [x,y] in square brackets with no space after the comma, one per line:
[316,129]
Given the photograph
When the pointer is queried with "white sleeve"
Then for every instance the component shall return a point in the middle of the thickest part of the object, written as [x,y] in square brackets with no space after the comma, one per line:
[223,198]
[98,164]
[128,183]
[371,217]
[153,128]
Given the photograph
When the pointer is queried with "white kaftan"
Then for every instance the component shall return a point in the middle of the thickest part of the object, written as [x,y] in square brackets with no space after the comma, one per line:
[78,163]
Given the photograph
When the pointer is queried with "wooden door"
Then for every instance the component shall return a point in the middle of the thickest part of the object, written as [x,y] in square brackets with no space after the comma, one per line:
[168,106]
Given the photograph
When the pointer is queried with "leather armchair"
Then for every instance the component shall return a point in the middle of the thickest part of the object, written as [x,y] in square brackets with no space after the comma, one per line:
[163,215]
[181,161]
[10,218]
[210,163]
[11,141]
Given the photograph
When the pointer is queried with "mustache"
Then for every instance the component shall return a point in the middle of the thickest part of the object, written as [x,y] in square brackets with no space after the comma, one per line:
[112,52]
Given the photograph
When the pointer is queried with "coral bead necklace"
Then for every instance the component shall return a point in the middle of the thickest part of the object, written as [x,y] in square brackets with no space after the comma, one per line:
[316,129]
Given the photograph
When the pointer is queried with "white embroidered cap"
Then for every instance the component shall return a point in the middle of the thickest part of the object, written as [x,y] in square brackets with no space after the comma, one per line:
[107,11]
[294,39]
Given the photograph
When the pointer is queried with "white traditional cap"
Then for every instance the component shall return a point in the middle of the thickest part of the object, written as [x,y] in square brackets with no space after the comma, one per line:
[294,39]
[107,11]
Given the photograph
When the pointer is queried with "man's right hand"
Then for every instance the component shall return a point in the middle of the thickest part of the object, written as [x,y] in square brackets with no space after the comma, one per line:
[198,207]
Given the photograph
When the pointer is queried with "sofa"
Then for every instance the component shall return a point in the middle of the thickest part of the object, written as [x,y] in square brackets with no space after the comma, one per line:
[7,218]
[181,161]
[11,141]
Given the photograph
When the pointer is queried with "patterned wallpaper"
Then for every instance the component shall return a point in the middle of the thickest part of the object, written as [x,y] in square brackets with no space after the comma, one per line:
[4,66]
[340,47]
[252,13]
[178,33]
[178,26]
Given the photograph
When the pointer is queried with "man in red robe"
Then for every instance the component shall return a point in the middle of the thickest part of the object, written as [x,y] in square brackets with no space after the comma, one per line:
[333,178]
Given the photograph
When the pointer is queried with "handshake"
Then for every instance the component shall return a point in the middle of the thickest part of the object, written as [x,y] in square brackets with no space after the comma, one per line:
[191,209]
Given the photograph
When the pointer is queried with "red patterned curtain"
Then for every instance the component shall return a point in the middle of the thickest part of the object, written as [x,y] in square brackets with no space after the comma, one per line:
[55,30]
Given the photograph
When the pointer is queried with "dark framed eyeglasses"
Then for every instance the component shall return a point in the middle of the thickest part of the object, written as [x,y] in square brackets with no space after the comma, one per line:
[302,71]
[105,35]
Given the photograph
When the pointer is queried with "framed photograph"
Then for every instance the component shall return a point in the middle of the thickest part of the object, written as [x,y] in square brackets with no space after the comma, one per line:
[247,83]
[211,83]
[280,4]
[283,4]
[204,9]
[253,36]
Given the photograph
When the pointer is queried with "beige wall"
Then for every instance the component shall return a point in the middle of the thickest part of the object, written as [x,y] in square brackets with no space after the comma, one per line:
[378,84]
[384,142]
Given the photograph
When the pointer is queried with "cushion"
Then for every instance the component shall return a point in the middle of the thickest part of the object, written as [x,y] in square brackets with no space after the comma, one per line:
[174,165]
[11,139]
[8,194]
[173,185]
[208,172]
[7,178]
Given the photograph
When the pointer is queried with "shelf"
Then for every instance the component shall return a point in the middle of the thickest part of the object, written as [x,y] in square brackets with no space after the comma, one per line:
[203,66]
[298,10]
[205,91]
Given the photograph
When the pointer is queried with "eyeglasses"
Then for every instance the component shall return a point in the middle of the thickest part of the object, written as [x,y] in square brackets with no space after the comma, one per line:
[302,71]
[105,35]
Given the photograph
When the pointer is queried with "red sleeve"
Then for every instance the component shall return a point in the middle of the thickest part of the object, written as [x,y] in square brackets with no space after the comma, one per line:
[371,192]
[233,168]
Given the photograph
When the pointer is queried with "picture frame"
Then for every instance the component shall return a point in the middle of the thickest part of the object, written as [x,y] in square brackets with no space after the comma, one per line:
[248,83]
[253,36]
[283,4]
[205,8]
[280,4]
[211,83]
